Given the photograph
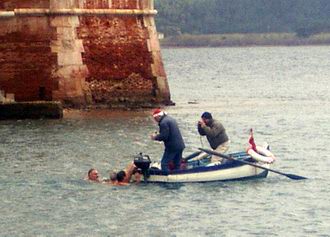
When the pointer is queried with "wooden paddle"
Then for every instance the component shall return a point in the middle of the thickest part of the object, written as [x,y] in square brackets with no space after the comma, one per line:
[291,176]
[189,157]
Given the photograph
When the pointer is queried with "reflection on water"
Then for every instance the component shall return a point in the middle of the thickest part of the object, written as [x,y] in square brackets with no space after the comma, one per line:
[281,92]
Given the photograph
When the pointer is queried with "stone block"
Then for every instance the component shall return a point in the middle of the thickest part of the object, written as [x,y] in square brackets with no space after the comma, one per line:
[153,44]
[10,97]
[2,96]
[164,91]
[71,72]
[63,4]
[67,46]
[157,66]
[69,58]
[147,4]
[66,33]
[64,21]
[149,21]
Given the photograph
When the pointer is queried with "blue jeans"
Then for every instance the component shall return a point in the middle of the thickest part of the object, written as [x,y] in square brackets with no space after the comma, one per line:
[169,156]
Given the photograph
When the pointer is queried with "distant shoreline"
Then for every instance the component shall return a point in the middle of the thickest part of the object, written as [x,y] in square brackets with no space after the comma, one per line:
[243,40]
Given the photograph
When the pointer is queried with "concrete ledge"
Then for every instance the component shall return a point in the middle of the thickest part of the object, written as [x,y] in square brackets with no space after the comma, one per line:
[6,14]
[31,110]
[74,12]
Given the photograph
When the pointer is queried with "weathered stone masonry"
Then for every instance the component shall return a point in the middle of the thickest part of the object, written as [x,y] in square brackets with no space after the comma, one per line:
[81,51]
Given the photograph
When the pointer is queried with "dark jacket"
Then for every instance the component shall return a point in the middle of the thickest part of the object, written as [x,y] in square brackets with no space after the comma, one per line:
[214,132]
[170,134]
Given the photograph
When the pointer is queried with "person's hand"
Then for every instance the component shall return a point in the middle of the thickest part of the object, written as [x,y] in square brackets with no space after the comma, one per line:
[153,136]
[201,122]
[138,177]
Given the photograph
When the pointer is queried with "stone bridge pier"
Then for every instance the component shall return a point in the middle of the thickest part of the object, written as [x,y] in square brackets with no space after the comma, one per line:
[82,52]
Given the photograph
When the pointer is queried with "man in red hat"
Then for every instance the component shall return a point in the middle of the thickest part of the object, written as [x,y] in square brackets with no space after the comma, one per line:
[170,134]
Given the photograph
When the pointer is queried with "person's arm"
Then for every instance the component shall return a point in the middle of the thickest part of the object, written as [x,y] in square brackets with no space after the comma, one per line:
[137,177]
[200,129]
[215,130]
[164,131]
[129,171]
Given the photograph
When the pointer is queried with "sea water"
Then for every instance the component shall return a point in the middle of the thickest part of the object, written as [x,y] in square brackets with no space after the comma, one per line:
[281,92]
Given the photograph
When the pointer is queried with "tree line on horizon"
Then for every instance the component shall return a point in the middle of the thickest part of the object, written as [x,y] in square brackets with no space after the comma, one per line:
[303,17]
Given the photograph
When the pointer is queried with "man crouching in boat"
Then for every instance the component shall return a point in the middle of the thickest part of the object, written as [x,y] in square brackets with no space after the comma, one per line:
[170,134]
[215,134]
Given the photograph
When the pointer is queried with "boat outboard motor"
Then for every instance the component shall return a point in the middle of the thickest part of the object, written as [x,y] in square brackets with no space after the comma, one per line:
[143,162]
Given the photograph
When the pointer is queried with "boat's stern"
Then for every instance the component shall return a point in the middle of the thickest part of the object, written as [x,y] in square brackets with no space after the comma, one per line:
[143,162]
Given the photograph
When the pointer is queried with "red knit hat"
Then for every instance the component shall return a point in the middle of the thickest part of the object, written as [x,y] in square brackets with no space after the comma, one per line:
[157,112]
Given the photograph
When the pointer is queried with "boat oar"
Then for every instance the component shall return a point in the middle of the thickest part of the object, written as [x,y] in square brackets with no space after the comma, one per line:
[193,155]
[291,176]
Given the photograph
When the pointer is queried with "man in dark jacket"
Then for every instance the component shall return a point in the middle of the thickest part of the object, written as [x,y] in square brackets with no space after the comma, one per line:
[215,134]
[170,134]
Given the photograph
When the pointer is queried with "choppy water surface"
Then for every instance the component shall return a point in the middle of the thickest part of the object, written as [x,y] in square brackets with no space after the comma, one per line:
[282,92]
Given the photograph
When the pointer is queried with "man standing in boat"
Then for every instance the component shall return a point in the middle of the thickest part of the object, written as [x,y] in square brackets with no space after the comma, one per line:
[215,134]
[170,134]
